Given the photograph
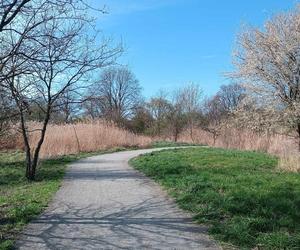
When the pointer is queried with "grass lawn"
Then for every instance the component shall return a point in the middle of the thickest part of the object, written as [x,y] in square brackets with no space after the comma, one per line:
[244,198]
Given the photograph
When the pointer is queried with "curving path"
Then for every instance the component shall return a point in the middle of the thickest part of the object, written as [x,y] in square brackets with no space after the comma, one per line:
[105,204]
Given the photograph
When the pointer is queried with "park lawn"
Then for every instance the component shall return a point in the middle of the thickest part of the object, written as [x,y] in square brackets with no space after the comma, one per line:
[244,198]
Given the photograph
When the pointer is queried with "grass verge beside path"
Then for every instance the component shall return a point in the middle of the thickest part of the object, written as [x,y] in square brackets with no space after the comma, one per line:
[244,198]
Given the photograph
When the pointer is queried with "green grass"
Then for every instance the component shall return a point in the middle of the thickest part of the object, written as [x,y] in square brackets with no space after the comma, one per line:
[244,198]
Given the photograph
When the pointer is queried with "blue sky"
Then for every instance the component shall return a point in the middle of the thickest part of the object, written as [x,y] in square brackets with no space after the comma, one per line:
[173,42]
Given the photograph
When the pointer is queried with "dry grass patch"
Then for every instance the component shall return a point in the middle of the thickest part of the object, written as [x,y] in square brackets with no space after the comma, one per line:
[88,136]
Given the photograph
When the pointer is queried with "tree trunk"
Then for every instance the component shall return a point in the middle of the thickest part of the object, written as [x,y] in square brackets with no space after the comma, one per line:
[32,160]
[29,174]
[298,131]
[31,170]
[77,139]
[214,137]
[28,166]
[191,130]
[175,135]
[40,143]
[30,163]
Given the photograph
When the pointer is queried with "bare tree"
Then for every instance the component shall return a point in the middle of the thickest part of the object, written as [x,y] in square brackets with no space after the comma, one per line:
[231,96]
[177,118]
[172,115]
[92,106]
[54,52]
[159,108]
[142,121]
[19,20]
[118,93]
[7,111]
[9,10]
[268,64]
[67,106]
[214,114]
[191,96]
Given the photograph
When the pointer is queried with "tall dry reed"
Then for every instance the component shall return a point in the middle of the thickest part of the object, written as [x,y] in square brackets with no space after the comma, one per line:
[10,138]
[85,137]
[92,136]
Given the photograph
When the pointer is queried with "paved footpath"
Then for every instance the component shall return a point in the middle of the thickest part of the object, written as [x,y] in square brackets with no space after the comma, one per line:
[105,204]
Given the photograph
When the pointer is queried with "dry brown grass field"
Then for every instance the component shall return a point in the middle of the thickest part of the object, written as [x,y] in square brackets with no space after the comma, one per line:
[91,136]
[87,136]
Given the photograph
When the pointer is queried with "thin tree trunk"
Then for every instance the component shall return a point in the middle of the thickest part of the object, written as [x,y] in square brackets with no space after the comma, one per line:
[158,129]
[77,139]
[32,162]
[27,146]
[40,143]
[176,133]
[215,137]
[191,130]
[298,130]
